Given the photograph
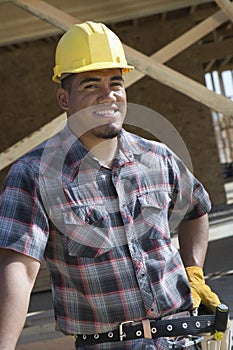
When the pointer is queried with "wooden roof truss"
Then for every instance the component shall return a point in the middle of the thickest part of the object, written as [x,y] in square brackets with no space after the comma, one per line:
[153,66]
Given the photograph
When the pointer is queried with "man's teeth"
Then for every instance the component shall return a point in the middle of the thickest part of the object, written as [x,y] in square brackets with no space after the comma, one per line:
[106,111]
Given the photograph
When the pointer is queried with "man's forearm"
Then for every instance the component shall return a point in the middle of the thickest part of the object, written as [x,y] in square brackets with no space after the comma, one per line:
[13,313]
[193,237]
[193,240]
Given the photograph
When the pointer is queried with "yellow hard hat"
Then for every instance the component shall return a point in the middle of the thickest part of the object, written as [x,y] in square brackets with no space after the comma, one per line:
[88,46]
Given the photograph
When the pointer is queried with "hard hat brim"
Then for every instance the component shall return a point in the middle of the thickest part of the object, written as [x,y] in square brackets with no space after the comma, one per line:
[91,67]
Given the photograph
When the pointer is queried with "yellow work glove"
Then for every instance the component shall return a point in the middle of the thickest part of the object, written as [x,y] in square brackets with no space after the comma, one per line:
[201,293]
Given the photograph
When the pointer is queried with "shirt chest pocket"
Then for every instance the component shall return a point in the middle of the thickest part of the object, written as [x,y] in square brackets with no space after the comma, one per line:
[154,206]
[86,230]
[91,214]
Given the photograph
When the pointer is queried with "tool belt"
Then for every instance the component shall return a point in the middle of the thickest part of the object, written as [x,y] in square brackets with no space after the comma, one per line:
[152,329]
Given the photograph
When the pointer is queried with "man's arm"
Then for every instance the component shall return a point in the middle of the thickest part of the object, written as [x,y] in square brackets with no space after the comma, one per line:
[17,275]
[193,240]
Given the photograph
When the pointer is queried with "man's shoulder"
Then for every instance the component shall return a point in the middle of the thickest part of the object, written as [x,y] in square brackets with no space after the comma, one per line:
[36,156]
[148,145]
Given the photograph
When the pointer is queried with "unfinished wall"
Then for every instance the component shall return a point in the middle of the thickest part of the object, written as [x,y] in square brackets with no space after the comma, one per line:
[28,96]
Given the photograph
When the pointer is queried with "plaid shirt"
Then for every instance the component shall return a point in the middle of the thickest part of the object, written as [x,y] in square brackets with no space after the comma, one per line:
[104,233]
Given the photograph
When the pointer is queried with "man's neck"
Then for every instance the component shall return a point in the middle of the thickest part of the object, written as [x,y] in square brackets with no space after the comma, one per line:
[105,151]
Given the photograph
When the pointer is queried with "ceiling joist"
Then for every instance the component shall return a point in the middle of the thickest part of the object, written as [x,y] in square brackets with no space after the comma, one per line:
[48,13]
[227,7]
[17,25]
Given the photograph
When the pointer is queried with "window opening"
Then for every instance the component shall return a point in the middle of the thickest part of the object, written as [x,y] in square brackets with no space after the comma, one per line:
[222,83]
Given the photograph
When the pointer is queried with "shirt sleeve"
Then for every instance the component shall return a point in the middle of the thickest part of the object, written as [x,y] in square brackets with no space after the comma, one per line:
[23,221]
[190,199]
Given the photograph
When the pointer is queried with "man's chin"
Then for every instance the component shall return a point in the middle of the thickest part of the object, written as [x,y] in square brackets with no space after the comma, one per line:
[107,132]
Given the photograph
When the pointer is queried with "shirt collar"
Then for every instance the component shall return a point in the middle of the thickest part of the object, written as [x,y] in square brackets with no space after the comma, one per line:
[129,144]
[74,151]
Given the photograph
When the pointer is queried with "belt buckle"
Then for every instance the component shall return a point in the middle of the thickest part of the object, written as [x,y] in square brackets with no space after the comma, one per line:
[122,334]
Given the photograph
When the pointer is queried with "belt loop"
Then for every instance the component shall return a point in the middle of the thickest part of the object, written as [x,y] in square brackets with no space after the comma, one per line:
[146,329]
[122,334]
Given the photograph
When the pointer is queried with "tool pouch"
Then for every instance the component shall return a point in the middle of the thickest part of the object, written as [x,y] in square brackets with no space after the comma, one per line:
[210,343]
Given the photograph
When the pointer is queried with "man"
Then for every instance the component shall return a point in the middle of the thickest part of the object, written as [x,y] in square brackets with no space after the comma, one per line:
[96,203]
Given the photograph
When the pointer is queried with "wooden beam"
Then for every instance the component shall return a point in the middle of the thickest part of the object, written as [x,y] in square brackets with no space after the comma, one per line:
[20,148]
[39,333]
[145,64]
[227,7]
[179,82]
[172,5]
[16,26]
[59,343]
[60,20]
[215,50]
[47,12]
[178,45]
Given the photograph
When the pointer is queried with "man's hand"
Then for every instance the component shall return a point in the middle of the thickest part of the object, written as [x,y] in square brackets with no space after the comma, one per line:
[193,239]
[201,293]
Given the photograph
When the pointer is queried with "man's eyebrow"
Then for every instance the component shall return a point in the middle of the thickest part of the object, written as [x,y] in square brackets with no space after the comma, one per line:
[117,77]
[95,79]
[88,80]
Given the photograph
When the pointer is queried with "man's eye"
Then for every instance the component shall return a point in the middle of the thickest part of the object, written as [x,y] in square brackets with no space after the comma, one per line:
[90,86]
[117,83]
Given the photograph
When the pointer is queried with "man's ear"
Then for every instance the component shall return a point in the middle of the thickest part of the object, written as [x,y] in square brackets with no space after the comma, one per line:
[62,98]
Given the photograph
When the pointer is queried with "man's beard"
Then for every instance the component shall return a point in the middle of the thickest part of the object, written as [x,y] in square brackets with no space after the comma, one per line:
[107,131]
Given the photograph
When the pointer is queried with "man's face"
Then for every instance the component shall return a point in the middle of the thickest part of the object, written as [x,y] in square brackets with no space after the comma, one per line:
[96,103]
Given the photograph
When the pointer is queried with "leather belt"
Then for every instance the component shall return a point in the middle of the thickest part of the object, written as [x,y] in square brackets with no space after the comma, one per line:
[129,330]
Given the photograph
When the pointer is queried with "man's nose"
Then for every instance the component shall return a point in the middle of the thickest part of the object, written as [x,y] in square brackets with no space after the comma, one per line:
[106,95]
